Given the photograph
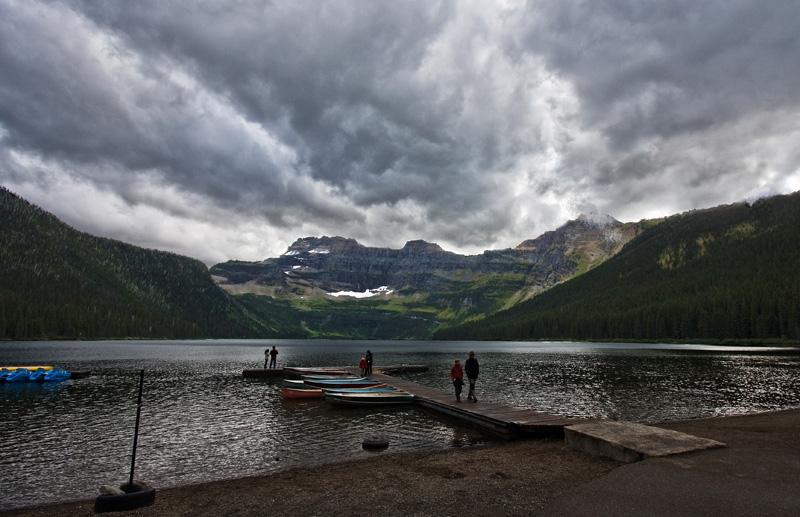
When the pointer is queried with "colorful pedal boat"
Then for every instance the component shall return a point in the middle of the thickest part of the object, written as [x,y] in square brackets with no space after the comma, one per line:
[38,375]
[56,376]
[19,375]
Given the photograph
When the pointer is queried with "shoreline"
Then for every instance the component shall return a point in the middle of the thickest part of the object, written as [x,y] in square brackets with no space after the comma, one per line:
[526,477]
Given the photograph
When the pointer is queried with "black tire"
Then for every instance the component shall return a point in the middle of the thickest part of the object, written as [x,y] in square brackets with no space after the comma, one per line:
[375,442]
[135,496]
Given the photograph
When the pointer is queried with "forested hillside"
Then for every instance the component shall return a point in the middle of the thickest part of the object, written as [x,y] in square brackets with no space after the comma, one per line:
[56,282]
[728,273]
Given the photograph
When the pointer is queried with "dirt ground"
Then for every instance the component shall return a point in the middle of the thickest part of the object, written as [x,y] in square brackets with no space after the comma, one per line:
[498,479]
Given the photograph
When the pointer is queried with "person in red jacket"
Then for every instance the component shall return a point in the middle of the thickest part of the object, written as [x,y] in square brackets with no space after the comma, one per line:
[457,376]
[363,366]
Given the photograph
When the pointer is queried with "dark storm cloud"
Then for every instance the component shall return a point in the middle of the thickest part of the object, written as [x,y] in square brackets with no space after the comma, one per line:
[649,68]
[243,125]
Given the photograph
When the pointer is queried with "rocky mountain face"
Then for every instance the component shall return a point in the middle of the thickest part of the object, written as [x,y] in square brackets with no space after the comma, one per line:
[320,266]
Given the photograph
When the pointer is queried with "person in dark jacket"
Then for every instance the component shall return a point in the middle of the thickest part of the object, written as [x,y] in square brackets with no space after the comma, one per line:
[471,368]
[369,362]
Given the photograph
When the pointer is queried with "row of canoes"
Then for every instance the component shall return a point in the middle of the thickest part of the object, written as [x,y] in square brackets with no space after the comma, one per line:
[342,388]
[33,374]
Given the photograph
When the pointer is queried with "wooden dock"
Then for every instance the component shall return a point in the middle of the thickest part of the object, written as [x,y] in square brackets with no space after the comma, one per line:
[500,420]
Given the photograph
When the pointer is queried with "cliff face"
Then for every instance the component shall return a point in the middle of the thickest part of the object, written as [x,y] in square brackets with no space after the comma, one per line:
[334,264]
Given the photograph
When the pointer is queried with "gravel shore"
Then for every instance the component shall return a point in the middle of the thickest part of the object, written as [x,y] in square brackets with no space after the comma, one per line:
[500,479]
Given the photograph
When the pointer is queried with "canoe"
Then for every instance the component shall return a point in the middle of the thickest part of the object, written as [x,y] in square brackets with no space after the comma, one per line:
[361,390]
[344,383]
[367,399]
[334,377]
[294,393]
[297,385]
[298,372]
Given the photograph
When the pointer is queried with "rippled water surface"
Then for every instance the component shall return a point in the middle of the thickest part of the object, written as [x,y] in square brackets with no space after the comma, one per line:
[201,420]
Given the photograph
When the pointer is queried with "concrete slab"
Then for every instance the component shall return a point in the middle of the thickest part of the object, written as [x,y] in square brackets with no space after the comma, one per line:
[629,442]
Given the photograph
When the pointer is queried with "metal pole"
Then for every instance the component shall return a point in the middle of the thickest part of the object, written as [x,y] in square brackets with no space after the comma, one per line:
[136,432]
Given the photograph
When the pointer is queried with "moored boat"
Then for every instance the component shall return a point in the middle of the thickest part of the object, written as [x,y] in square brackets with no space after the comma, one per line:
[56,376]
[362,390]
[298,372]
[381,398]
[303,391]
[19,375]
[327,377]
[344,383]
[294,393]
[38,375]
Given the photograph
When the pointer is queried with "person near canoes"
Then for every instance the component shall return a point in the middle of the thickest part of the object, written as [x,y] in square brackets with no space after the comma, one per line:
[273,357]
[363,366]
[368,357]
[266,358]
[471,369]
[457,376]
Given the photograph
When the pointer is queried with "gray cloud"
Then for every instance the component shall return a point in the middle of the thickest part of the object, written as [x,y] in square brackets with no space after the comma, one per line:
[230,129]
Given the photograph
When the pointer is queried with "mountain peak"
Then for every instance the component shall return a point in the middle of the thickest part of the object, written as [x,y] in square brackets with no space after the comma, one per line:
[420,246]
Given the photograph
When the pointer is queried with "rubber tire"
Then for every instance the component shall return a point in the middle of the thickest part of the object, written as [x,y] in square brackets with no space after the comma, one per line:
[139,497]
[375,442]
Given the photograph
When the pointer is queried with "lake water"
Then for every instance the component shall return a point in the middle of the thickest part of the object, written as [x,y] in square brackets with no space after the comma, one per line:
[202,421]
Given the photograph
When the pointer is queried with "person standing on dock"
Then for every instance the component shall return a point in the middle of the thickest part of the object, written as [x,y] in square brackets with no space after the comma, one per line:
[363,367]
[273,357]
[368,357]
[266,358]
[472,367]
[457,376]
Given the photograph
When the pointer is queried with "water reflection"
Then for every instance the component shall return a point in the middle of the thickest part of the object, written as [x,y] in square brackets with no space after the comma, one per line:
[201,420]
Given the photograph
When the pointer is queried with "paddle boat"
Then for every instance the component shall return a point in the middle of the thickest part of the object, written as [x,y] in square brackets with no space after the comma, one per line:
[19,375]
[33,373]
[379,398]
[56,376]
[31,368]
[38,375]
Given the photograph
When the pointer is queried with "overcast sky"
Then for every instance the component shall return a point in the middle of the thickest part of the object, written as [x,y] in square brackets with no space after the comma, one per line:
[226,130]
